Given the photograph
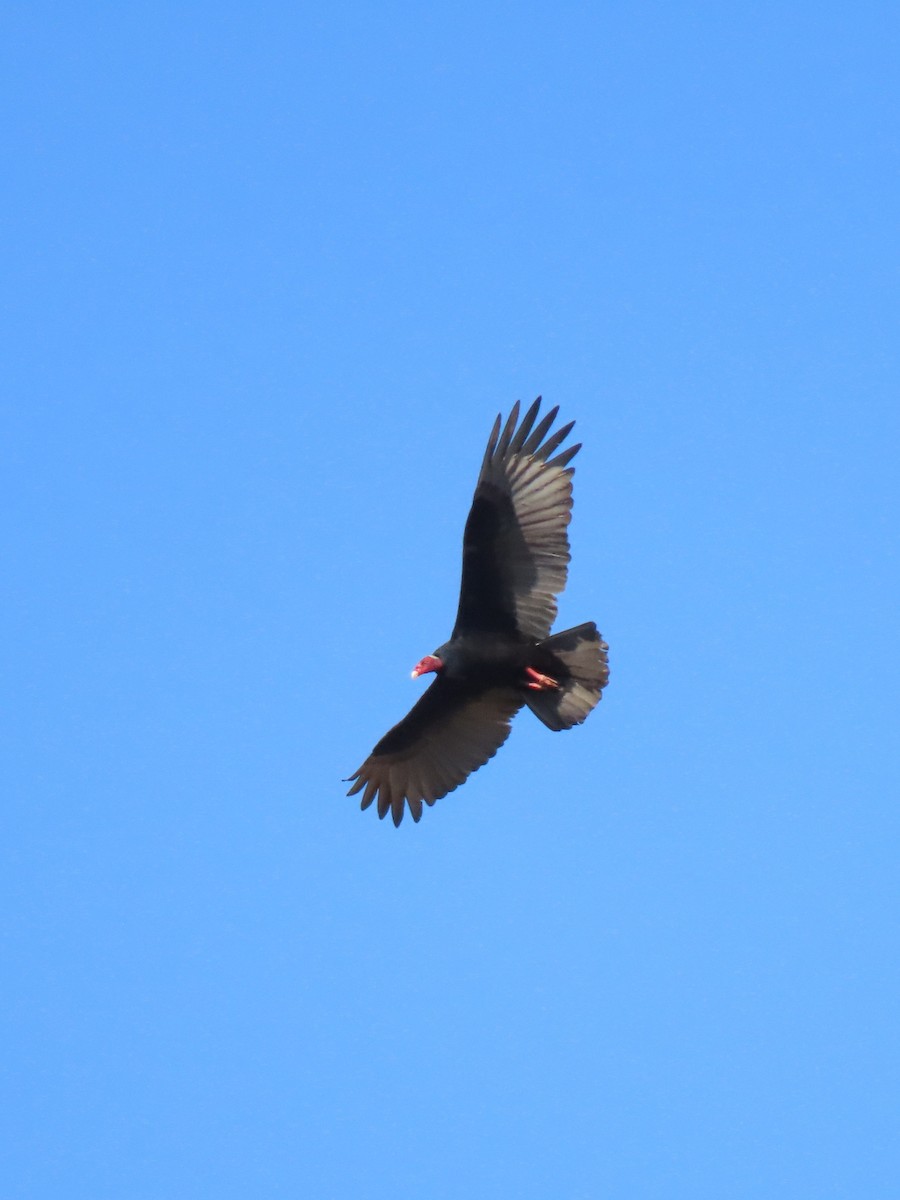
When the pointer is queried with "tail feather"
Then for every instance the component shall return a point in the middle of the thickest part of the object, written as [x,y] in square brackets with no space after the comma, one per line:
[581,664]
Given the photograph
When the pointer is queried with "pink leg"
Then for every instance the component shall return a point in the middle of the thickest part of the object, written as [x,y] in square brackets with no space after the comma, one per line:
[539,682]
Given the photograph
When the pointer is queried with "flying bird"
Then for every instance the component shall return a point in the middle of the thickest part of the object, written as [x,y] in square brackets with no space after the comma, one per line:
[501,654]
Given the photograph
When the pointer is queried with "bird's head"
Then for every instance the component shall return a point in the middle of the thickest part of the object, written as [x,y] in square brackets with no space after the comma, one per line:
[425,666]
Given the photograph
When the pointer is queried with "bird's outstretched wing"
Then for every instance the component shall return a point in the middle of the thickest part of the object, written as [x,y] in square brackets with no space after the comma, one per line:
[516,545]
[449,733]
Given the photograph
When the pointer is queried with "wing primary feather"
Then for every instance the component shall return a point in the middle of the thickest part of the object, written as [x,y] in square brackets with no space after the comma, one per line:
[508,429]
[384,799]
[492,443]
[563,460]
[413,780]
[540,432]
[398,803]
[515,446]
[552,442]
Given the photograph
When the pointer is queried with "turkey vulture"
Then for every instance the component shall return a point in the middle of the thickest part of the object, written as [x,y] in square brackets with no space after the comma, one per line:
[501,654]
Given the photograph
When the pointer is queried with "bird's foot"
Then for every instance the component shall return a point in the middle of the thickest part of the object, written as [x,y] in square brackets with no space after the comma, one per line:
[538,682]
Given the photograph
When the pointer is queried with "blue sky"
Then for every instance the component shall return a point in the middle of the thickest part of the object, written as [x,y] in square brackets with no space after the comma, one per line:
[268,275]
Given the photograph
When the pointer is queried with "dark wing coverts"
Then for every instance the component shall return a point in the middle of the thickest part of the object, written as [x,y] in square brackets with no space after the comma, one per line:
[446,736]
[516,544]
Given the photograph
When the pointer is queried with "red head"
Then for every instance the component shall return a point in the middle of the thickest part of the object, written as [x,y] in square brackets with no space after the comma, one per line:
[429,663]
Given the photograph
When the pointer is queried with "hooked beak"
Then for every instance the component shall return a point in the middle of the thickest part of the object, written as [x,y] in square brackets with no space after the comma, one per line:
[428,664]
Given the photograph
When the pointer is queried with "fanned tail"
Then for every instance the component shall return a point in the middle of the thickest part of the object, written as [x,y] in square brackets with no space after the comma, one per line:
[583,673]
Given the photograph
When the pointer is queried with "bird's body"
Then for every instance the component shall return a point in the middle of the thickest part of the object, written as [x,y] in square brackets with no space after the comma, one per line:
[486,659]
[499,656]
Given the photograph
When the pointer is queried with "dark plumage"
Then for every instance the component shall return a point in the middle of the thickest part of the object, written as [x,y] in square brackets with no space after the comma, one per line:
[500,655]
